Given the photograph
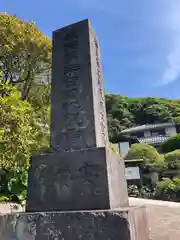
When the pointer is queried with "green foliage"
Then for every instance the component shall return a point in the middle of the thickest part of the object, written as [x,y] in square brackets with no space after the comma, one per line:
[13,185]
[124,112]
[5,88]
[114,127]
[25,54]
[22,132]
[152,159]
[172,160]
[133,191]
[166,189]
[158,113]
[114,149]
[25,67]
[163,186]
[4,199]
[16,134]
[118,115]
[143,192]
[171,144]
[17,185]
[168,186]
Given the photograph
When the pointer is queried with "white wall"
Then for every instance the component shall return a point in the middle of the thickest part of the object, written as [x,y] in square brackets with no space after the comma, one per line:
[171,131]
[132,173]
[147,133]
[124,148]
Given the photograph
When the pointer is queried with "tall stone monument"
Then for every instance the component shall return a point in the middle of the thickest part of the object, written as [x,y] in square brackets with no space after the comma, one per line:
[78,190]
[80,173]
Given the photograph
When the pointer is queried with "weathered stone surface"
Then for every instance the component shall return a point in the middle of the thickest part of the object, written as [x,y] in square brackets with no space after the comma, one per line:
[78,115]
[88,179]
[104,225]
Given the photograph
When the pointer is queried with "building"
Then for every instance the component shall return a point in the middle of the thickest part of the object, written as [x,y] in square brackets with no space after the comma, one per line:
[153,134]
[132,170]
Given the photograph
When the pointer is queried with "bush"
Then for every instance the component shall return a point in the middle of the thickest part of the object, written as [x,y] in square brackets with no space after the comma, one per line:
[144,192]
[17,185]
[13,185]
[152,159]
[171,144]
[133,191]
[172,160]
[168,189]
[113,149]
[163,186]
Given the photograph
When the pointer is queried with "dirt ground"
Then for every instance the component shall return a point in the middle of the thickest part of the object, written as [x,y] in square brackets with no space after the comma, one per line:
[163,218]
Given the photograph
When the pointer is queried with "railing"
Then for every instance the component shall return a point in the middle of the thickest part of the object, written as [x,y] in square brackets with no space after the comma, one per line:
[153,139]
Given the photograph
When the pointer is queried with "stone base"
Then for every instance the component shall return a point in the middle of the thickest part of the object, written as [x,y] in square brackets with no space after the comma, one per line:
[123,224]
[77,180]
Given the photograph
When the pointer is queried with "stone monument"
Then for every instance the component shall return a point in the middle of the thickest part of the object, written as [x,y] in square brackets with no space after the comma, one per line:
[78,190]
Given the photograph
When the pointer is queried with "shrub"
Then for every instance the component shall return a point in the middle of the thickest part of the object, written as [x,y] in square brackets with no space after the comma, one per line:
[113,149]
[144,192]
[168,189]
[163,186]
[172,159]
[171,144]
[13,185]
[133,191]
[152,159]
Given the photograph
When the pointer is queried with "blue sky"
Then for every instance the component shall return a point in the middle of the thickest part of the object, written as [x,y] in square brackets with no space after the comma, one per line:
[140,39]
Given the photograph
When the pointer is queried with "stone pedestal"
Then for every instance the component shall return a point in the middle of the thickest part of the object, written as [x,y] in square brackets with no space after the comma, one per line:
[89,179]
[123,224]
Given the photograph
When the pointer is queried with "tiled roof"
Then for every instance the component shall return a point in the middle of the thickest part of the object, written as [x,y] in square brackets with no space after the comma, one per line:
[153,140]
[147,127]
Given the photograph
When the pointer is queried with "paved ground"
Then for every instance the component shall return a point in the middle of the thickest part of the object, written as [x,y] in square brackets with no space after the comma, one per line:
[163,218]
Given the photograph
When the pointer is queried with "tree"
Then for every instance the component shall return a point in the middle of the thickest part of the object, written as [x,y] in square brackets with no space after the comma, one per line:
[152,159]
[171,144]
[158,113]
[21,131]
[25,54]
[172,159]
[16,134]
[114,127]
[118,115]
[127,112]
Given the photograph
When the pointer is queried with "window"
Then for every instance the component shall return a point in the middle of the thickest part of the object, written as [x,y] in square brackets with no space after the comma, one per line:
[138,134]
[158,132]
[178,128]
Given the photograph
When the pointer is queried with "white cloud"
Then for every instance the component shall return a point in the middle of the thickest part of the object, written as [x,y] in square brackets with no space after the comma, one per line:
[164,15]
[172,69]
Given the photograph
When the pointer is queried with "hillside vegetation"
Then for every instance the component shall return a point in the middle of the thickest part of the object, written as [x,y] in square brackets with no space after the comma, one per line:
[125,112]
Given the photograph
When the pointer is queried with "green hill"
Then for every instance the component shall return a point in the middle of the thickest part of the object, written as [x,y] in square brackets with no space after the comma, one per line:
[125,112]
